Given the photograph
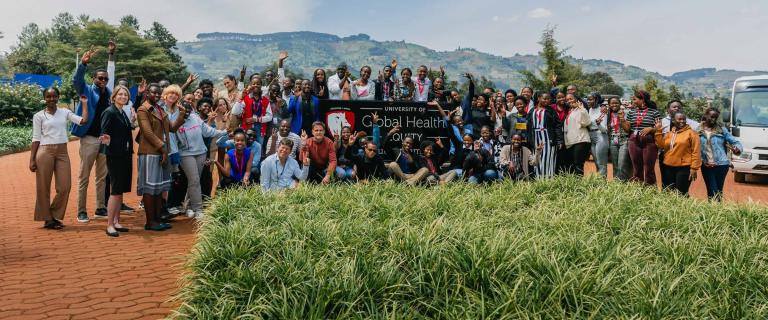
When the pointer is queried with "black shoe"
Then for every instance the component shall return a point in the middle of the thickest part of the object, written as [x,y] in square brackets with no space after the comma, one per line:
[112,234]
[53,225]
[100,213]
[122,229]
[125,208]
[82,217]
[155,228]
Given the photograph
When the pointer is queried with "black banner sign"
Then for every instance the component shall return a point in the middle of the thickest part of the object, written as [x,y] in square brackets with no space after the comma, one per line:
[416,119]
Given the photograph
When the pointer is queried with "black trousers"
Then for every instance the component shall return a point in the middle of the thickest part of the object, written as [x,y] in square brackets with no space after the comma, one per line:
[577,155]
[206,182]
[679,178]
[178,189]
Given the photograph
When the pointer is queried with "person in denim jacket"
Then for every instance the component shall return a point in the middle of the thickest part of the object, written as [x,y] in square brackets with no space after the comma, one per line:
[716,141]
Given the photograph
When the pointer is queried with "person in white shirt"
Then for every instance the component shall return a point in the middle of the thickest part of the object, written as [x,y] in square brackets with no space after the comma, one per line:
[673,107]
[336,82]
[364,88]
[423,85]
[49,157]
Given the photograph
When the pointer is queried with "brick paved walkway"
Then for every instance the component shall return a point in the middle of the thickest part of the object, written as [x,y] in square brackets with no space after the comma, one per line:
[80,273]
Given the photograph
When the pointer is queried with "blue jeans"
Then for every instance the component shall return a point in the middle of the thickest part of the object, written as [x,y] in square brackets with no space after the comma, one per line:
[485,176]
[599,149]
[714,179]
[622,165]
[344,174]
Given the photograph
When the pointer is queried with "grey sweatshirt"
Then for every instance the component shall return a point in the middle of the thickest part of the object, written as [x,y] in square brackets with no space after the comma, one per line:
[190,136]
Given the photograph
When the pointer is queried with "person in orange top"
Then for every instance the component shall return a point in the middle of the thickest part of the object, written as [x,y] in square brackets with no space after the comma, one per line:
[682,152]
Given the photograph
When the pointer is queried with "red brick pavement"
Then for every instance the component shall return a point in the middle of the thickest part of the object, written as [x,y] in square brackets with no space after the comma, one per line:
[80,273]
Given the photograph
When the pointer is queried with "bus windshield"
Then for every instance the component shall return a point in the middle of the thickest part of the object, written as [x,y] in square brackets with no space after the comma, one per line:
[750,109]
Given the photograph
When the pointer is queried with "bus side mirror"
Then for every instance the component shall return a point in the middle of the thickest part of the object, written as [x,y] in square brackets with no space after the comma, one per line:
[726,116]
[736,131]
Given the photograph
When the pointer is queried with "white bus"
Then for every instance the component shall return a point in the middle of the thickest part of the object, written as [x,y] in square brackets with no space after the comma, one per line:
[748,121]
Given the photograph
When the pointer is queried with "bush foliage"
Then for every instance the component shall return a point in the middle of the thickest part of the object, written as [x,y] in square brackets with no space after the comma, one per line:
[15,138]
[18,103]
[561,248]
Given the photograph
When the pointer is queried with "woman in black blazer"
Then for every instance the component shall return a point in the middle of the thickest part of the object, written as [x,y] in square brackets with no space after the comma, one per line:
[116,135]
[544,128]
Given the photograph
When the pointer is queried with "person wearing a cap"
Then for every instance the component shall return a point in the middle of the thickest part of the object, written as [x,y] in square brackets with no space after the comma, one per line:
[336,82]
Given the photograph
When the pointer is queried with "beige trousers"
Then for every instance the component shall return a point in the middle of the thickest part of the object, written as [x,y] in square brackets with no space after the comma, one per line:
[52,160]
[410,179]
[89,155]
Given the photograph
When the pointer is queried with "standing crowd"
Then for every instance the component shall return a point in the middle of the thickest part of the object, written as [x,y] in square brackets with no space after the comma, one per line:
[269,133]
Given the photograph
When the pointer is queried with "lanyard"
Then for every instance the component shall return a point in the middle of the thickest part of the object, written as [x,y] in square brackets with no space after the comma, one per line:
[615,123]
[639,119]
[239,163]
[421,86]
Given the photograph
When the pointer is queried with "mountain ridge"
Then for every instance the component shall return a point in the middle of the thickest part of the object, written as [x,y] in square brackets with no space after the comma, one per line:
[215,54]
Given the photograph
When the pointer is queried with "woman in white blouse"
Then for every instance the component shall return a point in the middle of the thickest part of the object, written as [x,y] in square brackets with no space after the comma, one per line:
[364,88]
[49,157]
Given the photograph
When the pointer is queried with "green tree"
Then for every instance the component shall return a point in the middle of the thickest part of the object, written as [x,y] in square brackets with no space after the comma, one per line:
[658,93]
[29,55]
[602,83]
[130,21]
[63,28]
[167,41]
[556,67]
[675,94]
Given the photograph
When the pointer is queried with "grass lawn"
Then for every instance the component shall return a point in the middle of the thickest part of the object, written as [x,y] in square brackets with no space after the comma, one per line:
[15,138]
[561,248]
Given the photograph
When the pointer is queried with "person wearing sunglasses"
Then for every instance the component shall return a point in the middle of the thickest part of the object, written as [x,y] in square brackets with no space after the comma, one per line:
[97,95]
[367,164]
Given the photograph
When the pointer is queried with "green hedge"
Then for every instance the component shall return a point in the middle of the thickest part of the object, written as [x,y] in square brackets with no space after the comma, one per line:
[561,248]
[18,103]
[15,138]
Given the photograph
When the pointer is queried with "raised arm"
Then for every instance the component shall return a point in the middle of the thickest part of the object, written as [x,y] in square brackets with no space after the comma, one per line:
[466,103]
[78,79]
[111,65]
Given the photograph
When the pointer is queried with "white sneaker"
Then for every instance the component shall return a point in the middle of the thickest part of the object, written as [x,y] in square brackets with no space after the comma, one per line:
[190,213]
[199,215]
[174,211]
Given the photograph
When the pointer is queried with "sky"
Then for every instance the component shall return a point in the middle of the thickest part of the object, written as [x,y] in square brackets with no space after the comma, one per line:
[658,35]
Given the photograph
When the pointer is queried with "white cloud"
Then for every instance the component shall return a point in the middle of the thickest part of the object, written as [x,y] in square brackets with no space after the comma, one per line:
[495,18]
[539,13]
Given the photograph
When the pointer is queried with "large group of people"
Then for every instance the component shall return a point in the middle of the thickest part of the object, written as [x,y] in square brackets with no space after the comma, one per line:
[266,131]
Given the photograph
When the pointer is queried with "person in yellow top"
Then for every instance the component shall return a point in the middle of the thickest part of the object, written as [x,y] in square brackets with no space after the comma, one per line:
[682,152]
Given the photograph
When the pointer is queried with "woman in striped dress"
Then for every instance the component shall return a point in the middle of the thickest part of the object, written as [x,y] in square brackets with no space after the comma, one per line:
[544,129]
[640,122]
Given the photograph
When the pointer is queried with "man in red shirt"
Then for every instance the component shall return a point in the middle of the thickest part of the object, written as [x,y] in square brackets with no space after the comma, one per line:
[322,154]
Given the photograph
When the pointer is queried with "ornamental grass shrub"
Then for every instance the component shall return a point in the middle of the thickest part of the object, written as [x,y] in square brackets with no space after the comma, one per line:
[560,248]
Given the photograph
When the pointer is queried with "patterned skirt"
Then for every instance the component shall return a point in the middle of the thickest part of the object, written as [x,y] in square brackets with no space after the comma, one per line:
[154,178]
